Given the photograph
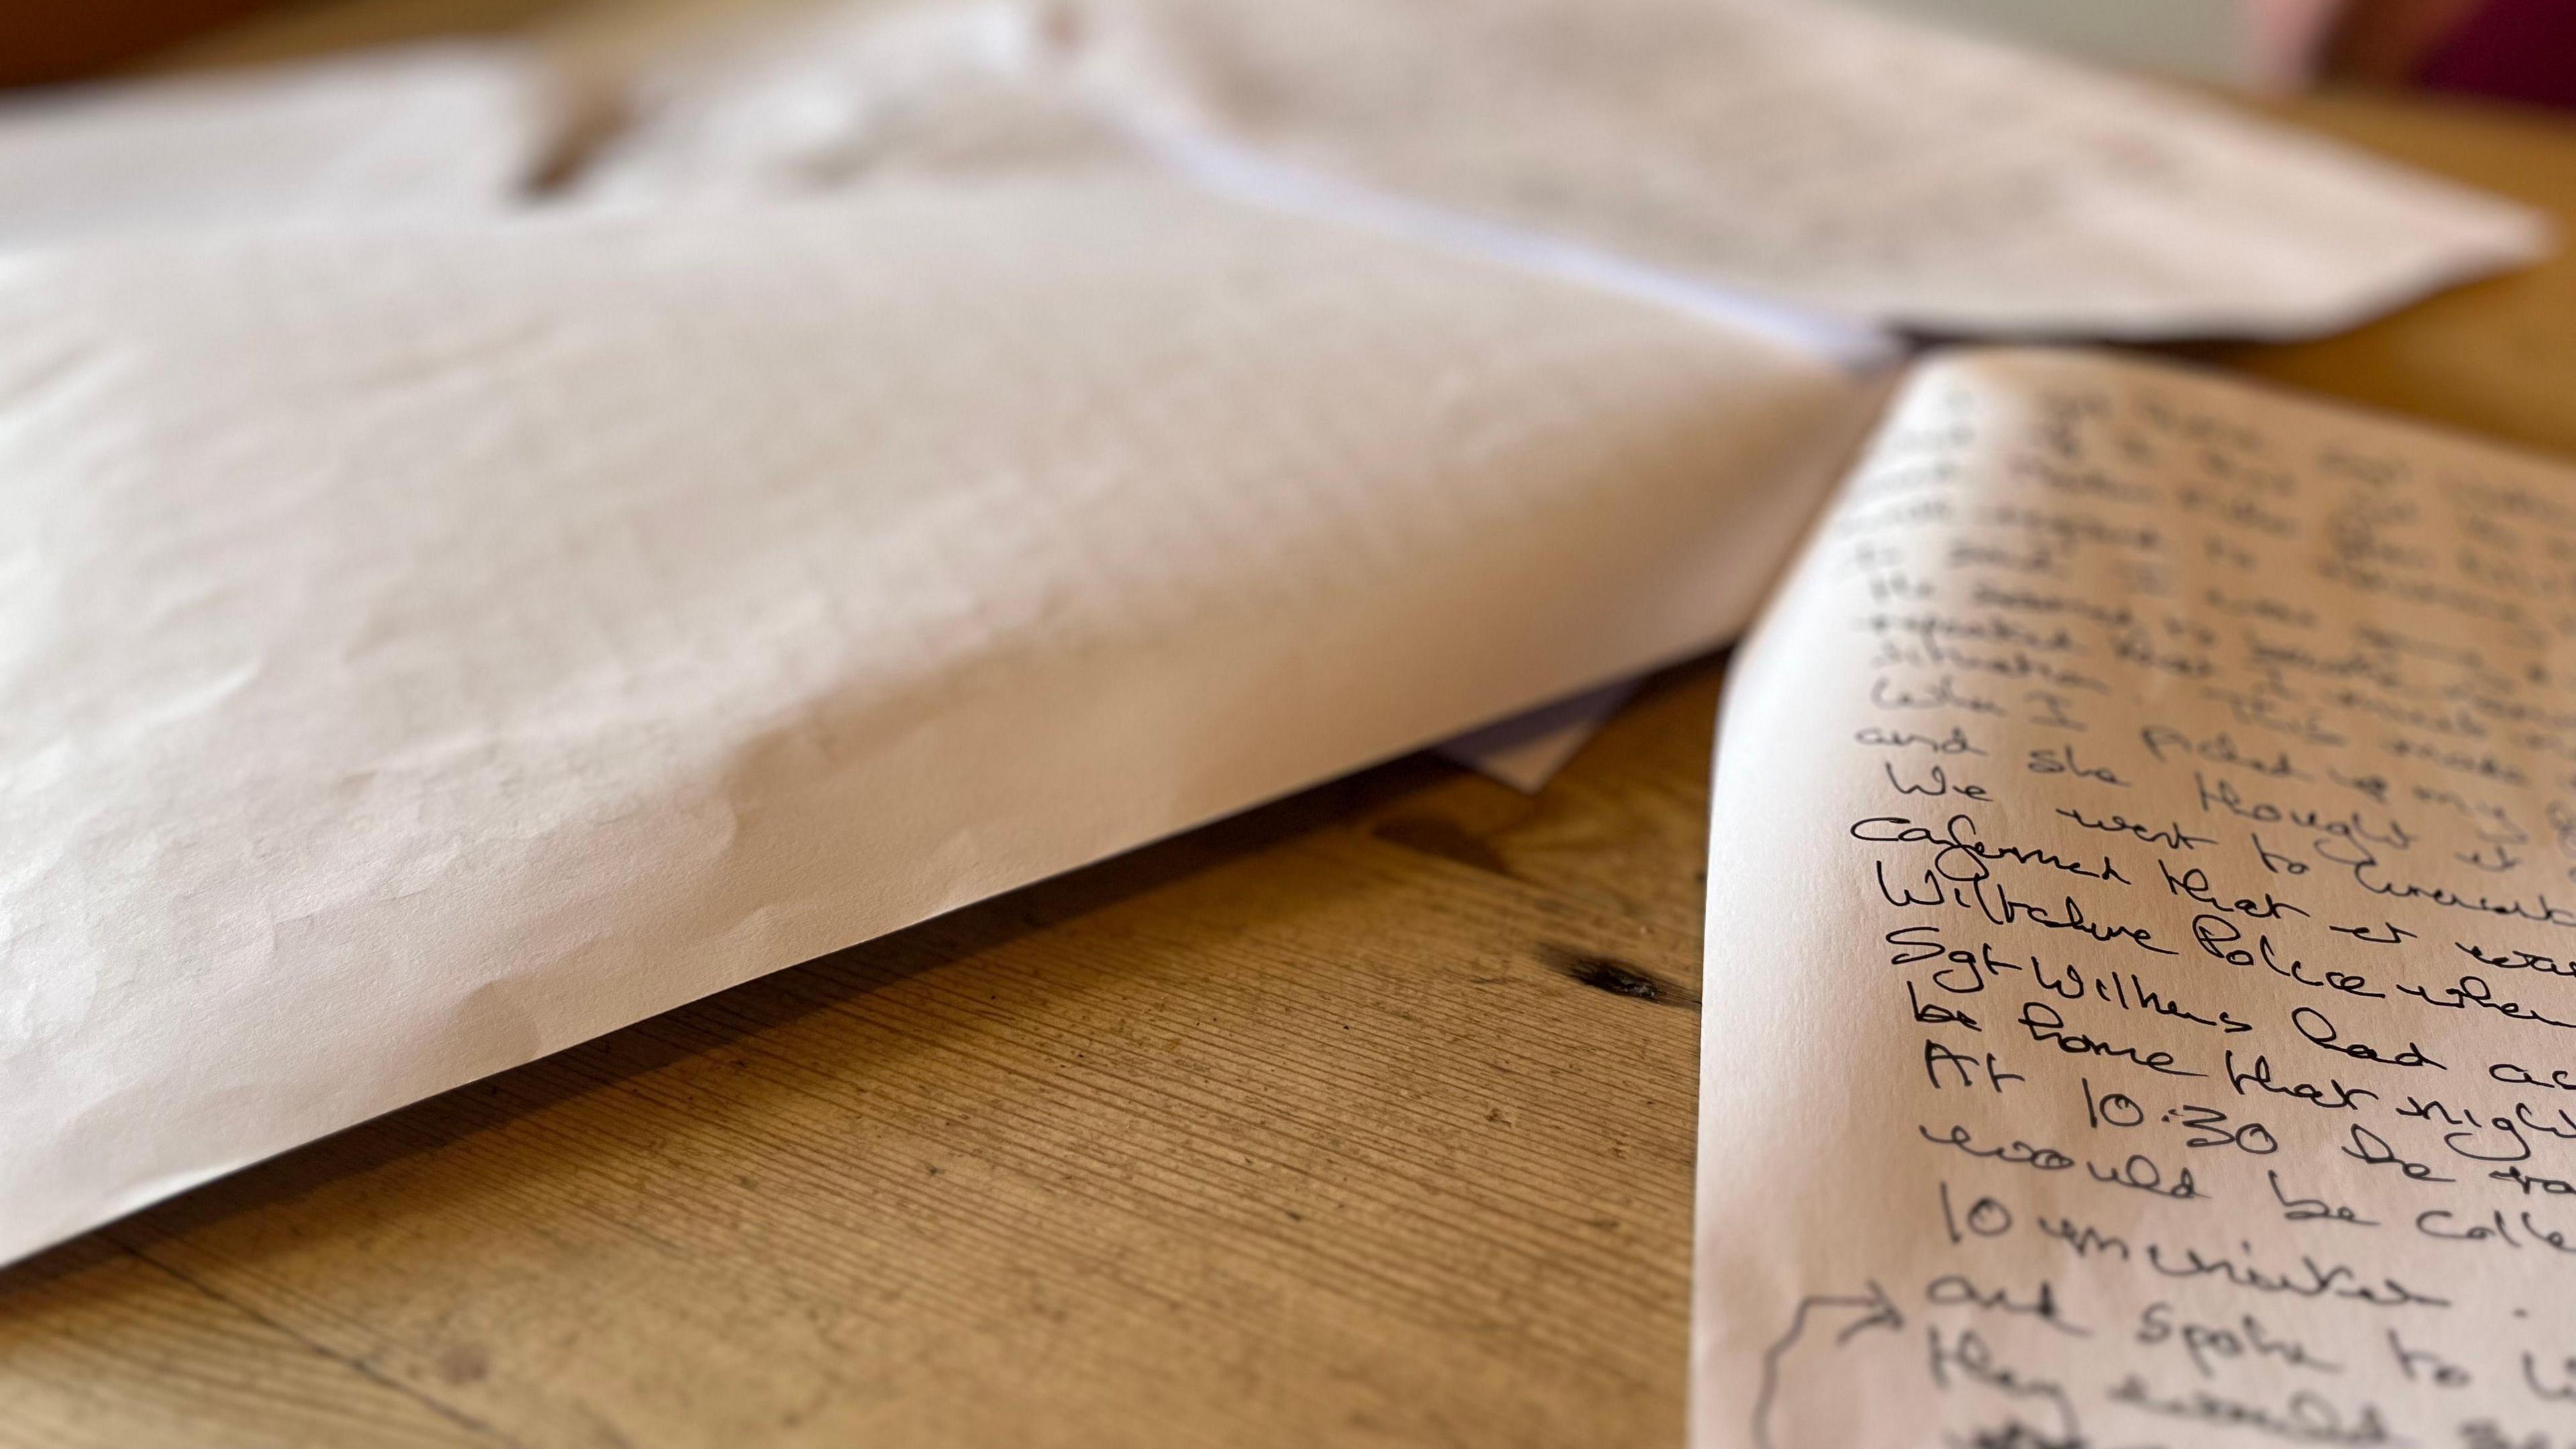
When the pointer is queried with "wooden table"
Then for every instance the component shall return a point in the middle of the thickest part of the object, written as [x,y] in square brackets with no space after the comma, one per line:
[1362,1119]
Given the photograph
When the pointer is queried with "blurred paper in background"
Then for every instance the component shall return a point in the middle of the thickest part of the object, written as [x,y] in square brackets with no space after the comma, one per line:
[418,134]
[1805,153]
[1821,157]
[2268,45]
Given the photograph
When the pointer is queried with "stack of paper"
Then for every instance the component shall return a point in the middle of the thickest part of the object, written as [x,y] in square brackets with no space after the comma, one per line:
[900,466]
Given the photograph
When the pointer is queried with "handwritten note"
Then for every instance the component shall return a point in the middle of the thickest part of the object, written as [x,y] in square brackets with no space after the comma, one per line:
[2141,996]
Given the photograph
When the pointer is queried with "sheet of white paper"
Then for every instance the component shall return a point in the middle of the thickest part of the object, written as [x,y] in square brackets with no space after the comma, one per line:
[834,96]
[1527,750]
[783,101]
[2139,1005]
[420,652]
[426,132]
[1826,158]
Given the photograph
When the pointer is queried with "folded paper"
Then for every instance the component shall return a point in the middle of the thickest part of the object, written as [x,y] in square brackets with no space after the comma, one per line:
[420,653]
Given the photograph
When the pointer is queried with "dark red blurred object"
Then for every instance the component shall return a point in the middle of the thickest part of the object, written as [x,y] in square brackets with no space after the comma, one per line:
[2520,50]
[52,40]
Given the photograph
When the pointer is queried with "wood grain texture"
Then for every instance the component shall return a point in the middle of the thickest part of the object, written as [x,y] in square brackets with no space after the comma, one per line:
[1365,1118]
[1286,1130]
